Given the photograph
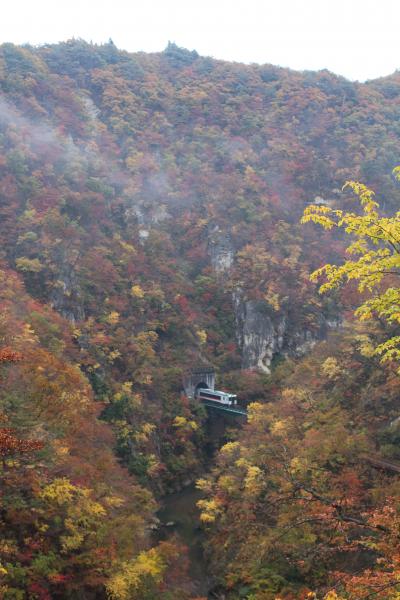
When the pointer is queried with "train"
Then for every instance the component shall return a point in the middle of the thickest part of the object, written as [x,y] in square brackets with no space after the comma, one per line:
[217,396]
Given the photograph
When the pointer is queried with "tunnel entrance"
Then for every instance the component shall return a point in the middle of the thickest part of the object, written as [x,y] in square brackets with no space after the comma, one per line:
[199,377]
[202,385]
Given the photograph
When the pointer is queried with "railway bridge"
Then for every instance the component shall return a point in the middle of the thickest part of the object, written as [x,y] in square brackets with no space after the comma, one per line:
[203,376]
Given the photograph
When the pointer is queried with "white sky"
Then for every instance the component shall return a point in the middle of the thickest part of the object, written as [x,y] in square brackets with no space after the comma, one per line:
[359,39]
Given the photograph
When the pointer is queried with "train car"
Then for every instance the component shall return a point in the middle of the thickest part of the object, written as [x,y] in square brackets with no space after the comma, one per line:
[217,396]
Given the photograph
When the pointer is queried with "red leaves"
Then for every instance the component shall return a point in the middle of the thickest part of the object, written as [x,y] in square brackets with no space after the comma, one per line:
[11,445]
[38,591]
[7,355]
[59,578]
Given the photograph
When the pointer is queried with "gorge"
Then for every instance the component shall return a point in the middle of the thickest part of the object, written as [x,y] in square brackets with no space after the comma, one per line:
[150,210]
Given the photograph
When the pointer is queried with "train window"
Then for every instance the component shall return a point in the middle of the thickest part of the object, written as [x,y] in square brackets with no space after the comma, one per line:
[217,396]
[211,396]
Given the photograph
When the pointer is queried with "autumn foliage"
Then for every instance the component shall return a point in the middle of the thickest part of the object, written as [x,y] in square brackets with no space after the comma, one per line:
[124,178]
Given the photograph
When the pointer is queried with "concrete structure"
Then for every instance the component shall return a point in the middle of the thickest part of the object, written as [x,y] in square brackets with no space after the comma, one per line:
[199,377]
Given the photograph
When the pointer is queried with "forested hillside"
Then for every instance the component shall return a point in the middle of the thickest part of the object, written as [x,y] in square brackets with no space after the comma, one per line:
[149,223]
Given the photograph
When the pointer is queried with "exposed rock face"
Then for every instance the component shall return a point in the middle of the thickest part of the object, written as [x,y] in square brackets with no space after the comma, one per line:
[147,217]
[261,333]
[220,249]
[261,336]
[66,296]
[66,293]
[258,336]
[92,110]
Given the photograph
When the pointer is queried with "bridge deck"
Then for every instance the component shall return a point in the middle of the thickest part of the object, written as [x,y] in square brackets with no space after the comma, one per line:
[235,410]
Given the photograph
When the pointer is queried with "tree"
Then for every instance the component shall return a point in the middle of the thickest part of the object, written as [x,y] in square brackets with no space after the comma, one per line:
[374,261]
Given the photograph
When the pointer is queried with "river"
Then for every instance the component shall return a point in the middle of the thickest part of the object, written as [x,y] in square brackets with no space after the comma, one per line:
[179,510]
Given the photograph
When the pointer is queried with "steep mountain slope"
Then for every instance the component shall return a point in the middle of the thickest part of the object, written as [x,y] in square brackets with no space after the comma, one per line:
[150,206]
[301,502]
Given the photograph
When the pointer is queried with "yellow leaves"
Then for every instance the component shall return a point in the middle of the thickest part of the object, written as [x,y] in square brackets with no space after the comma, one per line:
[318,215]
[133,161]
[296,465]
[253,411]
[113,501]
[364,314]
[241,463]
[227,483]
[63,492]
[145,340]
[137,291]
[278,428]
[135,399]
[123,428]
[60,492]
[75,538]
[204,485]
[125,390]
[112,318]
[8,546]
[273,300]
[144,378]
[210,510]
[127,247]
[29,215]
[29,265]
[129,581]
[330,368]
[230,448]
[332,595]
[396,173]
[365,195]
[389,350]
[27,335]
[59,448]
[126,387]
[249,172]
[206,517]
[253,480]
[82,515]
[182,422]
[332,273]
[202,335]
[142,436]
[386,304]
[357,247]
[153,466]
[365,346]
[148,428]
[376,245]
[113,355]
